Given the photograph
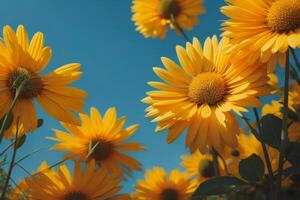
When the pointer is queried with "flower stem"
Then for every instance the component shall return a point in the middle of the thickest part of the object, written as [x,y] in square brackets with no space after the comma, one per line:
[11,165]
[10,110]
[215,162]
[266,154]
[284,131]
[173,20]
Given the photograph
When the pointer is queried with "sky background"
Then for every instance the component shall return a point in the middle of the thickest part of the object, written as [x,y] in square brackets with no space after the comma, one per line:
[117,63]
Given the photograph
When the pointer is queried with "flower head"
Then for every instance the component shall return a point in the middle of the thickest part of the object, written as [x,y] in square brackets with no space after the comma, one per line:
[88,184]
[153,17]
[201,94]
[21,63]
[265,27]
[101,139]
[200,166]
[158,185]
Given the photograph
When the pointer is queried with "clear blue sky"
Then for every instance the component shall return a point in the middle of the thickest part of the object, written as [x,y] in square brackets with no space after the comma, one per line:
[117,62]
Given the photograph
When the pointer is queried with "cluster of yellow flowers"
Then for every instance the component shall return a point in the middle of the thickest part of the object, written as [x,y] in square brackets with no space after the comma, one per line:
[203,96]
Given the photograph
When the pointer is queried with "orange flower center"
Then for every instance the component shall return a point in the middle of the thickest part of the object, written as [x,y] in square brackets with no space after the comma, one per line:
[75,196]
[206,168]
[169,194]
[168,7]
[207,87]
[101,149]
[284,15]
[30,82]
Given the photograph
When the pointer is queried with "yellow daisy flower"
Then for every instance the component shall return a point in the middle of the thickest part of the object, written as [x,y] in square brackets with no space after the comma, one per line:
[201,94]
[153,17]
[200,166]
[247,145]
[88,184]
[265,27]
[21,191]
[158,185]
[21,62]
[100,139]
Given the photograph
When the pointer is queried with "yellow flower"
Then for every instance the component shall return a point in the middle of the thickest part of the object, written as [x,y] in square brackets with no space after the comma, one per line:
[200,166]
[21,62]
[153,17]
[158,185]
[105,136]
[88,184]
[265,27]
[21,191]
[247,145]
[202,94]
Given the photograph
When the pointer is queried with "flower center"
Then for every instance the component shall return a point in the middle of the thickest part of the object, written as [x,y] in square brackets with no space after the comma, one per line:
[169,194]
[30,82]
[206,168]
[168,7]
[284,16]
[75,196]
[207,87]
[101,150]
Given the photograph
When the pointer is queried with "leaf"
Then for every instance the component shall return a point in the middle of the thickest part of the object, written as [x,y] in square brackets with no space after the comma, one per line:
[252,168]
[271,130]
[219,185]
[20,141]
[40,123]
[295,169]
[293,153]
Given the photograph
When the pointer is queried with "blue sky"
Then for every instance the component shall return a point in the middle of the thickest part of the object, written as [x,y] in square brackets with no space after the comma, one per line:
[117,62]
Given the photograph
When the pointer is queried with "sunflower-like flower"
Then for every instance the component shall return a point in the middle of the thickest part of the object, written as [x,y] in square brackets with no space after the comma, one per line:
[21,191]
[21,62]
[158,185]
[88,184]
[202,93]
[153,17]
[100,139]
[265,27]
[247,145]
[200,166]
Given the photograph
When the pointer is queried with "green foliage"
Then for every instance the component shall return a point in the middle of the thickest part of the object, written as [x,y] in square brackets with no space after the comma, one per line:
[252,168]
[271,130]
[218,186]
[293,153]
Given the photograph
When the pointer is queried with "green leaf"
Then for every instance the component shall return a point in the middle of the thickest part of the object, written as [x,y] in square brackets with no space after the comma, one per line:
[40,123]
[271,130]
[252,168]
[20,141]
[219,185]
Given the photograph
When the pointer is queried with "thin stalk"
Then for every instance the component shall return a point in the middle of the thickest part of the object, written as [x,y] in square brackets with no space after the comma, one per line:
[12,162]
[284,131]
[295,58]
[7,148]
[224,163]
[10,110]
[214,154]
[173,20]
[266,154]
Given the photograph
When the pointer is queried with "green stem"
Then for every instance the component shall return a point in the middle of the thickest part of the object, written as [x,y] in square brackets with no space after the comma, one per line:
[10,110]
[215,162]
[11,165]
[295,58]
[173,20]
[266,154]
[284,131]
